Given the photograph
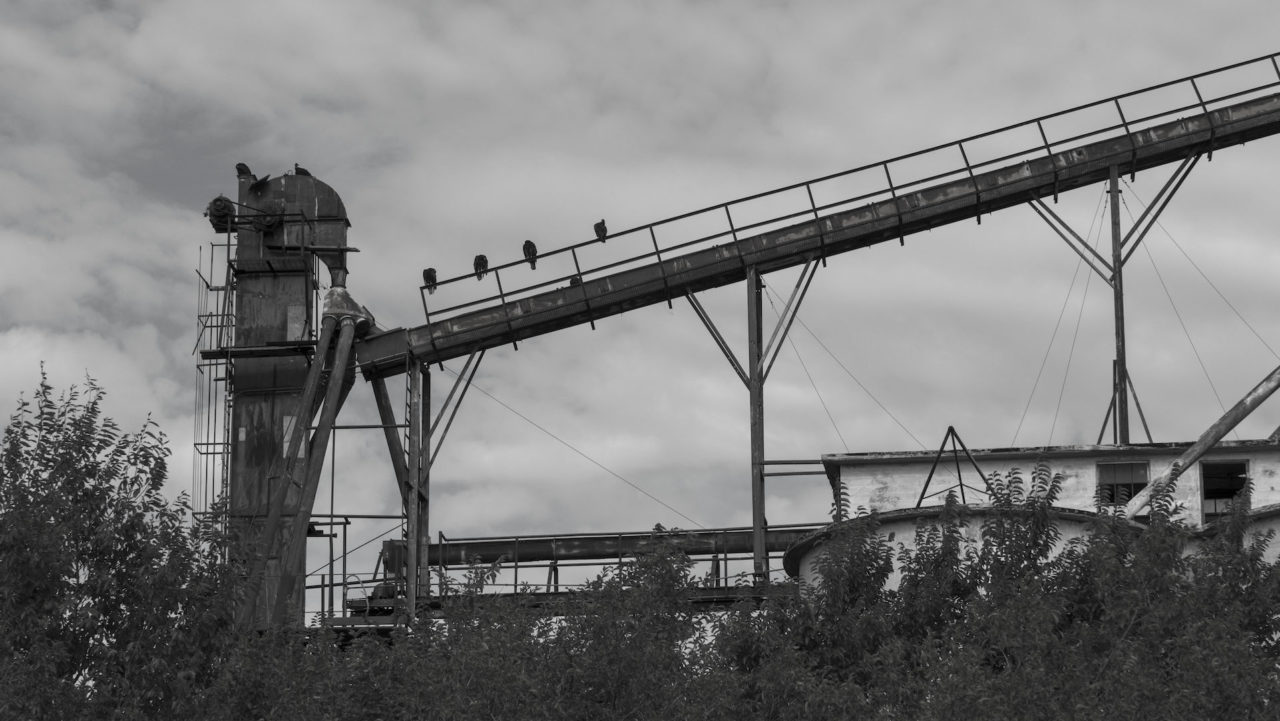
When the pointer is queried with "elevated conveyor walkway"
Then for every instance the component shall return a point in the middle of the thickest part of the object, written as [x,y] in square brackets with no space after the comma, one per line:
[824,217]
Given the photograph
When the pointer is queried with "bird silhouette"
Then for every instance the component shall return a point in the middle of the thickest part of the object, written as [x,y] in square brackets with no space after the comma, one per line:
[601,230]
[481,266]
[429,280]
[530,254]
[299,170]
[243,170]
[258,184]
[575,280]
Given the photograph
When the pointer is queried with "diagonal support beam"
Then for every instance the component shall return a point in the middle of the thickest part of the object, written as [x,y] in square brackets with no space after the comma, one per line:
[1157,206]
[1073,240]
[395,448]
[954,437]
[1133,393]
[719,339]
[334,397]
[788,316]
[463,381]
[1207,440]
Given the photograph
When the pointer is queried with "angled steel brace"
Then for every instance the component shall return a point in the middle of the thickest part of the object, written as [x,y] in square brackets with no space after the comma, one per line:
[395,448]
[954,437]
[1072,239]
[458,381]
[719,339]
[788,317]
[334,397]
[1207,440]
[1133,393]
[1111,408]
[464,380]
[1157,206]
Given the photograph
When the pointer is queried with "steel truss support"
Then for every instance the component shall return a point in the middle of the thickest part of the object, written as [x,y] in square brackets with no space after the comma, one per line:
[461,383]
[340,380]
[413,457]
[760,359]
[331,371]
[1111,271]
[954,437]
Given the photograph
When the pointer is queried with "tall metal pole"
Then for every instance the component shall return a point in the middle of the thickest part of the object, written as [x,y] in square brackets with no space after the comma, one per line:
[1121,375]
[414,461]
[424,484]
[755,389]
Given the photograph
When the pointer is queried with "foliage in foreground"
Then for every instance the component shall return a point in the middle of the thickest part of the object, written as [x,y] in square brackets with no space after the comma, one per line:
[110,600]
[112,605]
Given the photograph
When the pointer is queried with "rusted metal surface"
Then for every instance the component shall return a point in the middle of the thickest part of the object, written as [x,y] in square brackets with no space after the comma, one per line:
[907,213]
[282,225]
[280,466]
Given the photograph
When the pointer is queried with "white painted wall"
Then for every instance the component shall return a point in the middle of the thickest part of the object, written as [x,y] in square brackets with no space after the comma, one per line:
[889,482]
[900,531]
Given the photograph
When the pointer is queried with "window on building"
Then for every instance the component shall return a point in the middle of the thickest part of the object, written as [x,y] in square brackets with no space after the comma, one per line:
[1118,482]
[1220,481]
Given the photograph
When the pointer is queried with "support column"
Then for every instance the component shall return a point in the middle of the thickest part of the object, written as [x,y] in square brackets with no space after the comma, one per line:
[755,390]
[1121,371]
[414,417]
[295,553]
[423,494]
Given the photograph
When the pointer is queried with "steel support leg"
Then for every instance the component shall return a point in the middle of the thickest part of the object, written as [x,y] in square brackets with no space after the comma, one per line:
[423,491]
[463,382]
[395,448]
[1121,385]
[334,396]
[755,389]
[413,463]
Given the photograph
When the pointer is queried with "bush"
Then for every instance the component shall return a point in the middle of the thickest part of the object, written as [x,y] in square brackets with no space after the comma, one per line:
[109,597]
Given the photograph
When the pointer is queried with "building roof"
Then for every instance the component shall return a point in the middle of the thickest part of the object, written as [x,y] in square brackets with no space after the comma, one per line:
[832,462]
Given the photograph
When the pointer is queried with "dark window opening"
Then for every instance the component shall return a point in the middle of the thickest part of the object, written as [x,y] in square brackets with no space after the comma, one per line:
[1220,482]
[1118,482]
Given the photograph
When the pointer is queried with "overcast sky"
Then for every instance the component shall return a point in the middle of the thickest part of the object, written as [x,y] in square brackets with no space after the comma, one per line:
[454,128]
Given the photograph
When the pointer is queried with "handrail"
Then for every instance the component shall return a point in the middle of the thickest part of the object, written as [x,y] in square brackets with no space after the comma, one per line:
[1197,103]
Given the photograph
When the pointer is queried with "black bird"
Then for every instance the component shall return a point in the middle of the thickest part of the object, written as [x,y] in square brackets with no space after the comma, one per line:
[481,266]
[601,230]
[575,280]
[531,254]
[299,170]
[243,170]
[429,280]
[257,185]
